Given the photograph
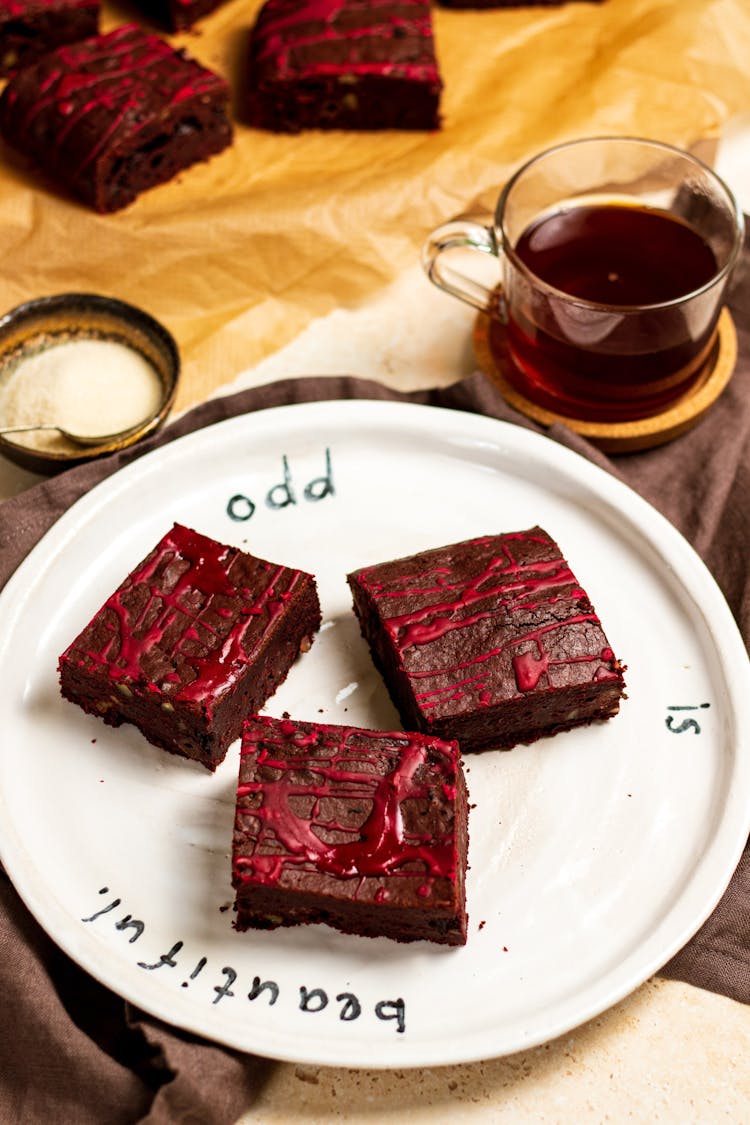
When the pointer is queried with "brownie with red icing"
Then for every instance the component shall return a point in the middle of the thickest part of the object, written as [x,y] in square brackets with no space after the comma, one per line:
[363,830]
[197,637]
[343,64]
[491,641]
[113,115]
[29,28]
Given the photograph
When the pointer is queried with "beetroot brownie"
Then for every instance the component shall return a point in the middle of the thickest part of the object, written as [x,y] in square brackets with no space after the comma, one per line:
[363,830]
[490,642]
[343,64]
[198,636]
[115,114]
[29,28]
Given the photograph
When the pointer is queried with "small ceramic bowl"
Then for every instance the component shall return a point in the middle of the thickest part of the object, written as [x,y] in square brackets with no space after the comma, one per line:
[46,321]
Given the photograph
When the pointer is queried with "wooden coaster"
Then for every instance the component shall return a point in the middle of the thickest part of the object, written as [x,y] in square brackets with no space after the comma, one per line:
[618,437]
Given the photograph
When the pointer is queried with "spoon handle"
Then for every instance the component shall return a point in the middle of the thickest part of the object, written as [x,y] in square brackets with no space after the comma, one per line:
[27,429]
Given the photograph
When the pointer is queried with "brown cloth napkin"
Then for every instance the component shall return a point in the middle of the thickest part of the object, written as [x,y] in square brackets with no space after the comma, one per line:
[70,1050]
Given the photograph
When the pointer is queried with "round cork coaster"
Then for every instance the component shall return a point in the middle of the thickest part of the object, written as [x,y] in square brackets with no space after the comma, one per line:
[617,437]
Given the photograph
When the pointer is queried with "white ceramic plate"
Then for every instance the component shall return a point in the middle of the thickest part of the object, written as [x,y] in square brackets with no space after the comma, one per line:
[594,855]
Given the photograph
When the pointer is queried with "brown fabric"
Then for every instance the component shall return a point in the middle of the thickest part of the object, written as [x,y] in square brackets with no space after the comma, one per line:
[69,1049]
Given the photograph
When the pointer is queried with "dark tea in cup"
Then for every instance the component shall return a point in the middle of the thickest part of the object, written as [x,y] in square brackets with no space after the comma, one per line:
[623,258]
[614,257]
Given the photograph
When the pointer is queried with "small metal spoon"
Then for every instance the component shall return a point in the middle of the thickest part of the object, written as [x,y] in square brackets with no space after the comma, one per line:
[77,439]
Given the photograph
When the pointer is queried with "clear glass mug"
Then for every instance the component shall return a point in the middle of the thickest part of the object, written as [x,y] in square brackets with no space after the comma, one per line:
[614,254]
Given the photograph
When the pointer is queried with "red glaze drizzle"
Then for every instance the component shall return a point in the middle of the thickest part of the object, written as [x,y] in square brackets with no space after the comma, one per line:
[544,589]
[379,845]
[183,575]
[284,26]
[127,79]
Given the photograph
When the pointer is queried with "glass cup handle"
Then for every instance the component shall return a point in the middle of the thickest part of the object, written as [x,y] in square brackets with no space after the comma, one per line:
[468,234]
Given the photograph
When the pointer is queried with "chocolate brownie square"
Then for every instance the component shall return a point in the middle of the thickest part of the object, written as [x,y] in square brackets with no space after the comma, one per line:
[343,64]
[363,830]
[29,28]
[113,115]
[197,637]
[490,641]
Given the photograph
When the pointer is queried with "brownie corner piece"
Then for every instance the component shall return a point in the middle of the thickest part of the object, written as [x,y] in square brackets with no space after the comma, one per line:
[29,28]
[366,831]
[113,115]
[343,64]
[491,641]
[197,636]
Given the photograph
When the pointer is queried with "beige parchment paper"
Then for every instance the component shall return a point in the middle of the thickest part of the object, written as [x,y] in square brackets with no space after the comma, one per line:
[240,254]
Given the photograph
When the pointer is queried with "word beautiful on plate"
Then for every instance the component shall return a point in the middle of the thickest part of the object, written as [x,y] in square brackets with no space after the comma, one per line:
[307,999]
